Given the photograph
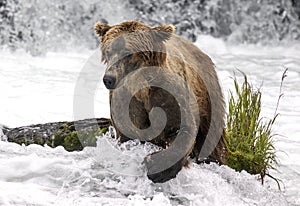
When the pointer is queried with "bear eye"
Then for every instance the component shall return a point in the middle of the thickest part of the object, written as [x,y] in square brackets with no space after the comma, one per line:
[127,56]
[106,53]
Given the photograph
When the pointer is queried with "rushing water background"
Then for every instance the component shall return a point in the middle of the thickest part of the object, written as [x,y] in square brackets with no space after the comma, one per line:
[41,89]
[42,26]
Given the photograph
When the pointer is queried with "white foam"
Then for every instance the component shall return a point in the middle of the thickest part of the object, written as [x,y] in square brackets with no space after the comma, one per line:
[101,175]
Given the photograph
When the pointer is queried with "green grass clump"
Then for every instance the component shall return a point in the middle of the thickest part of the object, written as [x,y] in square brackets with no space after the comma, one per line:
[249,137]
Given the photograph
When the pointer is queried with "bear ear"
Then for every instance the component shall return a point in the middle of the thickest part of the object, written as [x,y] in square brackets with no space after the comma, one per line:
[101,28]
[164,32]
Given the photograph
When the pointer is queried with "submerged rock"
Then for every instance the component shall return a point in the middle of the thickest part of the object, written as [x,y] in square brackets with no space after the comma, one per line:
[73,135]
[3,131]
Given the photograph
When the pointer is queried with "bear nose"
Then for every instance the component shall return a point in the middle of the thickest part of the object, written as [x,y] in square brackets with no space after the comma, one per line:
[109,81]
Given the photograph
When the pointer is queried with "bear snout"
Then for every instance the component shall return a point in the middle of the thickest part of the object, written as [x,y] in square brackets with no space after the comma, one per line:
[109,81]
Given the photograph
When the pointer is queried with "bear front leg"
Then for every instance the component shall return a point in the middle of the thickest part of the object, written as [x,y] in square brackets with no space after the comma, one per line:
[165,165]
[154,162]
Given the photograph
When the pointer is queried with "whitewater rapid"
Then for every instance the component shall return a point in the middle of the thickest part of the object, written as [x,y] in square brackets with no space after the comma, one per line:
[42,89]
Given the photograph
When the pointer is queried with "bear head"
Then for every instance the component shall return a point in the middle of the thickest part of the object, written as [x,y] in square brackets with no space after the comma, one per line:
[131,45]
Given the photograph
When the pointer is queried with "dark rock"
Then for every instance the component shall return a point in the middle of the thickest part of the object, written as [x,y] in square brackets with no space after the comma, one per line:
[74,135]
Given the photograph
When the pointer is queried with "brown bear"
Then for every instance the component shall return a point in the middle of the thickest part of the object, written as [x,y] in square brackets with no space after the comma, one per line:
[191,120]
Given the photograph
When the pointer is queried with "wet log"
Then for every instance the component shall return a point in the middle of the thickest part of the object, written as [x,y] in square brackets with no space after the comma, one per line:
[72,135]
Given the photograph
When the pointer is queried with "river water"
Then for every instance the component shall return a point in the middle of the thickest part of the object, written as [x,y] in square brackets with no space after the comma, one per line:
[43,89]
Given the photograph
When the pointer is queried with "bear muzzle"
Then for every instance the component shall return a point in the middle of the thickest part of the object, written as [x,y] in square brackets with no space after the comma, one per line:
[109,81]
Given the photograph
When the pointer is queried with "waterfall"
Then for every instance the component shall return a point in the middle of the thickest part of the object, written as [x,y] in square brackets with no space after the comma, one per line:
[41,26]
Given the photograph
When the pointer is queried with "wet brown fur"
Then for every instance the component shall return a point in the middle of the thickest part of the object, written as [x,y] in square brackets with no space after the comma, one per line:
[181,57]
